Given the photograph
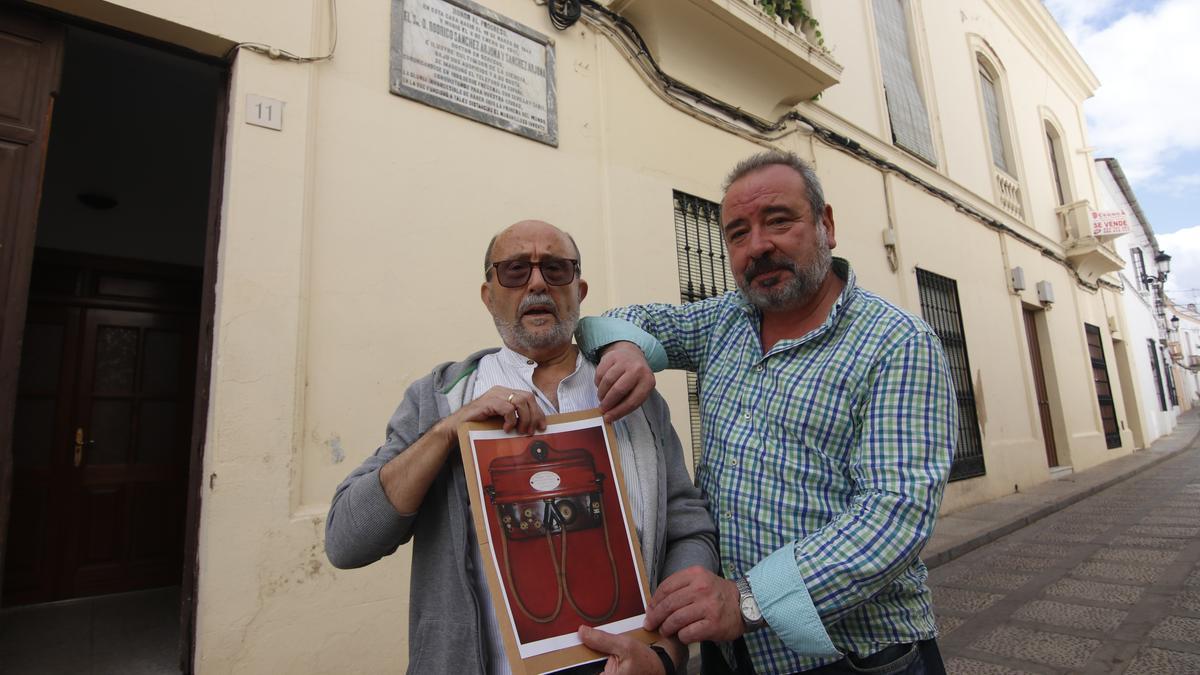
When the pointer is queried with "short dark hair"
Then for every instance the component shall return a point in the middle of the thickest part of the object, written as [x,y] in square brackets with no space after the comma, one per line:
[812,184]
[487,253]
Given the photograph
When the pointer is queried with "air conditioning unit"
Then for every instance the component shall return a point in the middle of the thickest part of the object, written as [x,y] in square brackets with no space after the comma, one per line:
[1194,361]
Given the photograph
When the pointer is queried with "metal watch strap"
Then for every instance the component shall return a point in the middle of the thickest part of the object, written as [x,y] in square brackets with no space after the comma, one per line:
[743,586]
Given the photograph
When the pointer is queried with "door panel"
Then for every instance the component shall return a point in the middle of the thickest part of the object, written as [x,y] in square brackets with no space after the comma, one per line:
[136,420]
[30,56]
[105,514]
[1039,382]
[41,431]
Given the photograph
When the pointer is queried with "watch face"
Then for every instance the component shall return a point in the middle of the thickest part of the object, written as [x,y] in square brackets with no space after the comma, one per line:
[750,610]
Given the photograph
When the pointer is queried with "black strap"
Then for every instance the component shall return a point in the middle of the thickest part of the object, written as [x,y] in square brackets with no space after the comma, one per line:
[668,664]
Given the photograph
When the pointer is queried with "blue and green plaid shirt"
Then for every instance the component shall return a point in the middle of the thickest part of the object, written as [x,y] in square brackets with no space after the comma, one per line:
[824,461]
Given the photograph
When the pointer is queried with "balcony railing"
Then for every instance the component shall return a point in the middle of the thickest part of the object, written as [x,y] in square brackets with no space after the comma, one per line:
[1008,194]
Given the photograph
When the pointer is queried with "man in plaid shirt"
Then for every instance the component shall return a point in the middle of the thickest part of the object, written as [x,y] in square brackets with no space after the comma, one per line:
[829,424]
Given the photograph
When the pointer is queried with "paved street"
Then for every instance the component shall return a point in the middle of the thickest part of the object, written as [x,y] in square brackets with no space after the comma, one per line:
[1108,585]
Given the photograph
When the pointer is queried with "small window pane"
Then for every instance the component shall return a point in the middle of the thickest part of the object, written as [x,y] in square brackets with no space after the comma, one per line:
[116,354]
[41,357]
[160,362]
[157,437]
[110,434]
[33,432]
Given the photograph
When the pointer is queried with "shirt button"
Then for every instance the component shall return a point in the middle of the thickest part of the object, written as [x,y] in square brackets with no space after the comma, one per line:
[747,416]
[528,362]
[728,515]
[760,367]
[733,462]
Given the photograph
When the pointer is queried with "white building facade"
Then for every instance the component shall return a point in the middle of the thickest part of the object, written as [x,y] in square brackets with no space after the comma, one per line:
[1144,333]
[331,255]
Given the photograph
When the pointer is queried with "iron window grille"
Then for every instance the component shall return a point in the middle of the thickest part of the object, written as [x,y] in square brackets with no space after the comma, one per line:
[703,273]
[1174,395]
[1139,267]
[1158,383]
[1108,410]
[941,309]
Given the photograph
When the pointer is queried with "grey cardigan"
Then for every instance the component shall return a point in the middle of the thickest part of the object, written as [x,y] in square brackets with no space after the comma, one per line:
[445,621]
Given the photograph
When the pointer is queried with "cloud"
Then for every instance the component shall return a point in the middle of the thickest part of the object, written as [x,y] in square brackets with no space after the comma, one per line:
[1179,185]
[1144,113]
[1075,16]
[1184,247]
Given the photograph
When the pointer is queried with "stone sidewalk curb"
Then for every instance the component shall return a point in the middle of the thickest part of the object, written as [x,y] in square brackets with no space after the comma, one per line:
[963,531]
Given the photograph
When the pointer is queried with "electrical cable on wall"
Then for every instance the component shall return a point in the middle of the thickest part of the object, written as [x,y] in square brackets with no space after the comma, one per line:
[756,129]
[277,54]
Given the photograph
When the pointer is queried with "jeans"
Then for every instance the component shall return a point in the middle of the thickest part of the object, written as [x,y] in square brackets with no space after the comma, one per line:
[917,658]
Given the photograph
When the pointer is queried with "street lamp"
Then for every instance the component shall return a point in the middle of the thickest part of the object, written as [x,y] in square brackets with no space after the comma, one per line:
[1163,262]
[1174,324]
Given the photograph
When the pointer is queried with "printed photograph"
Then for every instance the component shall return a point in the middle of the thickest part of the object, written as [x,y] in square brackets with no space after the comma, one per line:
[557,533]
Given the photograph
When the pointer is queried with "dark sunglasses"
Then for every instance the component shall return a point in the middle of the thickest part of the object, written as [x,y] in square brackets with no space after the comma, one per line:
[516,273]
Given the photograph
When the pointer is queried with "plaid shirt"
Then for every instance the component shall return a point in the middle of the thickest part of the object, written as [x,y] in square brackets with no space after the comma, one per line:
[824,461]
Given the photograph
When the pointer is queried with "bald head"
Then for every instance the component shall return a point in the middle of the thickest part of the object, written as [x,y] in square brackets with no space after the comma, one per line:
[526,228]
[534,317]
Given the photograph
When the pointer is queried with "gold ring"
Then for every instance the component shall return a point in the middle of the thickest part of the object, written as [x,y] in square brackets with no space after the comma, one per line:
[510,397]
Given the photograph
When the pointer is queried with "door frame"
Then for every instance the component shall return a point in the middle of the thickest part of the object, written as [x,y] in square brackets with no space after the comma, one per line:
[204,357]
[21,242]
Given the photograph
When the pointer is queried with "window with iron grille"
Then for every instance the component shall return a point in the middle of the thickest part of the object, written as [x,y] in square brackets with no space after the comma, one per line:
[906,107]
[1139,267]
[1174,395]
[703,273]
[1108,410]
[942,311]
[1158,387]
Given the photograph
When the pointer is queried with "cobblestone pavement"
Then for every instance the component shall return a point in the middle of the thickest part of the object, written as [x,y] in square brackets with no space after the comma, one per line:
[1108,585]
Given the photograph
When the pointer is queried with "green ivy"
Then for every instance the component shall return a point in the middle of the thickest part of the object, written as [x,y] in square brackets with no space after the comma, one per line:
[795,13]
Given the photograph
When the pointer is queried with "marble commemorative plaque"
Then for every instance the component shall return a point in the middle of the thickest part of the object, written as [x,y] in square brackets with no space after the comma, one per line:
[464,58]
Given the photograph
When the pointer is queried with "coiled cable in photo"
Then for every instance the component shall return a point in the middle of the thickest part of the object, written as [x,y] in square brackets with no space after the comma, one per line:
[544,493]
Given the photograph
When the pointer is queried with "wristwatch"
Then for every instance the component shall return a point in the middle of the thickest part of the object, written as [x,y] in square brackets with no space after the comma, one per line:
[751,613]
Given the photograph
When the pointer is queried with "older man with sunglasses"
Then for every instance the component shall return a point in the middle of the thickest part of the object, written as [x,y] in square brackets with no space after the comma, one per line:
[413,487]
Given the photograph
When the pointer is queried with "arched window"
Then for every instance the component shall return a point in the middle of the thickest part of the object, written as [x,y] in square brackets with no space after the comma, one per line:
[993,111]
[1058,167]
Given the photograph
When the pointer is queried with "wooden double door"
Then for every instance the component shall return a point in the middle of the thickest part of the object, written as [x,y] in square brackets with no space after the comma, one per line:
[101,434]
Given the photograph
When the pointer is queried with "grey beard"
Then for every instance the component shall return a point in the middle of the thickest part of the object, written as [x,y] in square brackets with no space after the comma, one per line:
[518,338]
[801,288]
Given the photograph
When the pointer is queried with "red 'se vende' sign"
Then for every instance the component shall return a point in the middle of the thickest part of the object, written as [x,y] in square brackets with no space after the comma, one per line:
[1109,223]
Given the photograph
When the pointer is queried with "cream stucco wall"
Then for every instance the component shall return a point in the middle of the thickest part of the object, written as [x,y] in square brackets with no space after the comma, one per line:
[351,244]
